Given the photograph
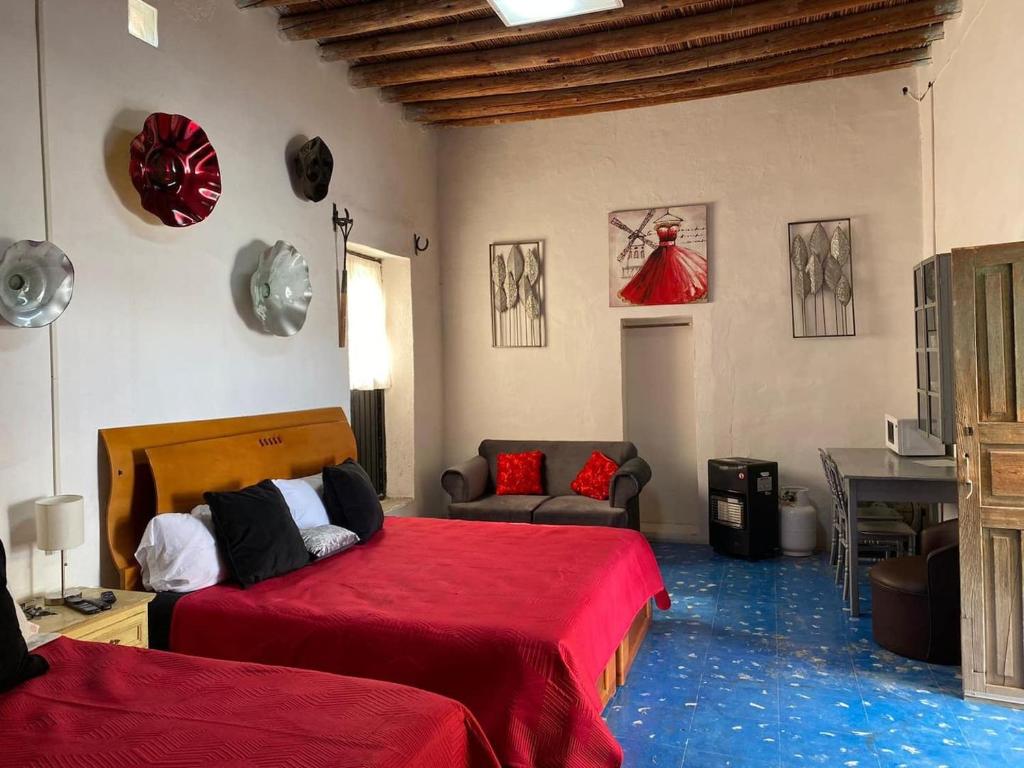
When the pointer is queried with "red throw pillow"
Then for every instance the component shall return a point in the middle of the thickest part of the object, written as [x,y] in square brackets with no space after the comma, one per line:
[595,477]
[519,474]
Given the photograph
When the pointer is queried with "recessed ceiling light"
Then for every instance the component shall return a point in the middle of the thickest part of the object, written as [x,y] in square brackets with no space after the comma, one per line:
[517,12]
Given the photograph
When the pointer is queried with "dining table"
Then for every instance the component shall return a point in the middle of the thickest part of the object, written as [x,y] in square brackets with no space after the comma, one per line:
[878,474]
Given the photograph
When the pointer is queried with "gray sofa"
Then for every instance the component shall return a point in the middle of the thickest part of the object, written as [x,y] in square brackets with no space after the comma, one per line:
[471,486]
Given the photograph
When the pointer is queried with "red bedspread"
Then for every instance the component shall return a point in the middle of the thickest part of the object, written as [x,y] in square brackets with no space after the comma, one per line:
[515,621]
[105,706]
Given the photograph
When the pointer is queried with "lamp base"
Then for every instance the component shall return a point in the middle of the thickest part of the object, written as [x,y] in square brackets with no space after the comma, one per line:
[58,598]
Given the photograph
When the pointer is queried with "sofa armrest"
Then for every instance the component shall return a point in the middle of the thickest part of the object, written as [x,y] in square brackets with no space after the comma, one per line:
[628,481]
[466,481]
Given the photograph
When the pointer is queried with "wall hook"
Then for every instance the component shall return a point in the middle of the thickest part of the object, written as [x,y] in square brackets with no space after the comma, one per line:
[342,223]
[344,226]
[420,244]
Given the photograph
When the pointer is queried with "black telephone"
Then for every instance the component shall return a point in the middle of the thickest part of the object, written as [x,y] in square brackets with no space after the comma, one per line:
[92,606]
[80,604]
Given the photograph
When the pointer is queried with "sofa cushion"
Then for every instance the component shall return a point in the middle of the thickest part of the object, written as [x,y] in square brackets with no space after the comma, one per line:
[595,477]
[519,474]
[579,510]
[498,509]
[562,458]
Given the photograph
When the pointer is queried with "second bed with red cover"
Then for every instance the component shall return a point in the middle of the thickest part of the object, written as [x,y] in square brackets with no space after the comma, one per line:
[514,621]
[104,705]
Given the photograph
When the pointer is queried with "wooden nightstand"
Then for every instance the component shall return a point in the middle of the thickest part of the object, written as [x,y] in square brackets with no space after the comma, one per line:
[126,623]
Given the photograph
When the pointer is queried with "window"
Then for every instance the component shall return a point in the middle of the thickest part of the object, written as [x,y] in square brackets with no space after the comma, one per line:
[369,353]
[369,356]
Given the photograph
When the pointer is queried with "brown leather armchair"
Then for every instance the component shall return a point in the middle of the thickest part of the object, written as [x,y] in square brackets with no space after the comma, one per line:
[915,601]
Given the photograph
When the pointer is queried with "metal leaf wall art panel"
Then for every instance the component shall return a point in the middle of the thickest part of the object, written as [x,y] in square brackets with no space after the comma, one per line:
[821,278]
[517,294]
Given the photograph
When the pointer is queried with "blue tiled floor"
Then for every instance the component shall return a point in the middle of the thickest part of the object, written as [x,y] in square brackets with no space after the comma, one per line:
[757,664]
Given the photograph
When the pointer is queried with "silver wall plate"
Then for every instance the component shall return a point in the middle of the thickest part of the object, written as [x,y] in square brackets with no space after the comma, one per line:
[281,290]
[36,283]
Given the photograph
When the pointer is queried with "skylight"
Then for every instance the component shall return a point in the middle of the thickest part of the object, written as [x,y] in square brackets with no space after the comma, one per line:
[517,12]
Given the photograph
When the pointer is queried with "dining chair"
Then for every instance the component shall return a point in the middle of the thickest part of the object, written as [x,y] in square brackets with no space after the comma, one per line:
[878,538]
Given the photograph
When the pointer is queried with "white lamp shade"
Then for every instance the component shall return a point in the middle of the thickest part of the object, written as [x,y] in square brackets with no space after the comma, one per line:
[60,523]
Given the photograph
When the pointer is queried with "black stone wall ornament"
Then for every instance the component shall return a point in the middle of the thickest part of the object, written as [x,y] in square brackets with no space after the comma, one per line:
[314,166]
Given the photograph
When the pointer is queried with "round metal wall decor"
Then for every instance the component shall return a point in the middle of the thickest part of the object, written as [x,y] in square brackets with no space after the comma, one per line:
[281,290]
[174,169]
[314,165]
[36,283]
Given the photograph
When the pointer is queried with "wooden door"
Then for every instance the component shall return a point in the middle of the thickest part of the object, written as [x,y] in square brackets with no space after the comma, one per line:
[988,330]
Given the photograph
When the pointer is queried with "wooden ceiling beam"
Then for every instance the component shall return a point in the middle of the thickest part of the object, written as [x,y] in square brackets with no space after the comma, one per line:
[853,67]
[584,48]
[247,4]
[780,66]
[489,30]
[775,43]
[372,18]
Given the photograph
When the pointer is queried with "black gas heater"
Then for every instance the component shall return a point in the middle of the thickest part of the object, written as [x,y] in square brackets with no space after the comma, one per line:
[743,501]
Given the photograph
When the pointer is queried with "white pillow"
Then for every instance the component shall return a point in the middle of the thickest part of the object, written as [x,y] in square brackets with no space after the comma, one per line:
[28,629]
[306,506]
[316,482]
[178,553]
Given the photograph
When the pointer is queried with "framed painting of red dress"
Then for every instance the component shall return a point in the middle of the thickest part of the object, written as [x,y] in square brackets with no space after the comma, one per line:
[658,256]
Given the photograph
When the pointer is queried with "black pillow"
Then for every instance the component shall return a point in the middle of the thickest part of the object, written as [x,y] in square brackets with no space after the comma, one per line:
[256,533]
[16,663]
[351,500]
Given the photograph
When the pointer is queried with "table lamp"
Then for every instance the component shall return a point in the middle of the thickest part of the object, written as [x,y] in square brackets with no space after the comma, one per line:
[60,526]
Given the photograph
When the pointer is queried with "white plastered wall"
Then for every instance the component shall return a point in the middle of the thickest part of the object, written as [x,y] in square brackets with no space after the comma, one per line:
[159,328]
[845,148]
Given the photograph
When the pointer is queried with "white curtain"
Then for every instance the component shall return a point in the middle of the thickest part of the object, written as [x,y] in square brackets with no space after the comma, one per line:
[369,354]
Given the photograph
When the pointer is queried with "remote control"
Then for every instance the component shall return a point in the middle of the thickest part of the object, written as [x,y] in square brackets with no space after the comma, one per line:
[100,604]
[108,597]
[82,606]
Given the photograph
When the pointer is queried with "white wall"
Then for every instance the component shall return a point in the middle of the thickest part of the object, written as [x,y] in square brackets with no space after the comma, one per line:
[154,332]
[842,148]
[978,71]
[400,413]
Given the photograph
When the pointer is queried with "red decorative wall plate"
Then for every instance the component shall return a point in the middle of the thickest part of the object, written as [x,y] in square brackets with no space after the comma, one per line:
[175,170]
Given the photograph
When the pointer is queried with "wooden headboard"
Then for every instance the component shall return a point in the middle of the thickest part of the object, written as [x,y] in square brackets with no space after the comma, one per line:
[167,467]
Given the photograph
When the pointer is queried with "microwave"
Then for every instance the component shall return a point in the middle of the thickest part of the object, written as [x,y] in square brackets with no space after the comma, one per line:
[904,437]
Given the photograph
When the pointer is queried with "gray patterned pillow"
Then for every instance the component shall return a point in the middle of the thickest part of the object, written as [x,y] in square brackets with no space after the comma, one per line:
[326,540]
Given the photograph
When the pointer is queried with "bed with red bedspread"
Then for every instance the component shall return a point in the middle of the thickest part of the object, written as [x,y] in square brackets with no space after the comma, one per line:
[514,621]
[105,705]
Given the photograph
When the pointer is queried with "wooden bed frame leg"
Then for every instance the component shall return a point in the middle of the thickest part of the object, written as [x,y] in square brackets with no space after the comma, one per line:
[606,685]
[617,669]
[630,645]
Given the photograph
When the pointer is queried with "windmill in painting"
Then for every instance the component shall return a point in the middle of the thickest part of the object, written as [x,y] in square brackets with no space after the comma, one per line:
[658,256]
[632,257]
[821,279]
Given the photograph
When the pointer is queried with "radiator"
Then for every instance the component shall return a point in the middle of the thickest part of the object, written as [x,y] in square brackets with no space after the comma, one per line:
[368,424]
